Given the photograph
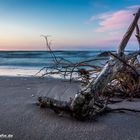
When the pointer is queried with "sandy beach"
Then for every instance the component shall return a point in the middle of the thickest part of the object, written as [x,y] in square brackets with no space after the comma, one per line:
[20,117]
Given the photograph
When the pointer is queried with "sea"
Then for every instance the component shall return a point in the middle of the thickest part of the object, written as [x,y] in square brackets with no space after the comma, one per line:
[28,63]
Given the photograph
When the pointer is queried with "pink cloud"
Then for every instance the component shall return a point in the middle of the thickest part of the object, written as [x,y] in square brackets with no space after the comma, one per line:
[117,20]
[113,21]
[113,25]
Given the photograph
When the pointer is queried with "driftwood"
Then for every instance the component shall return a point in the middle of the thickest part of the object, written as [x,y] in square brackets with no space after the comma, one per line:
[93,99]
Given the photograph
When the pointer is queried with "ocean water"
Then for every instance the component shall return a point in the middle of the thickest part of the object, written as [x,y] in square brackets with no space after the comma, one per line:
[28,63]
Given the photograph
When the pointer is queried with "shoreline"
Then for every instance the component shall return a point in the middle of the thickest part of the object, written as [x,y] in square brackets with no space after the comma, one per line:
[18,71]
[27,72]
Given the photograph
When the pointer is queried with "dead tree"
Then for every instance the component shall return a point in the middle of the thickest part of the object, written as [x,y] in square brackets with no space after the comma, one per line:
[138,34]
[89,101]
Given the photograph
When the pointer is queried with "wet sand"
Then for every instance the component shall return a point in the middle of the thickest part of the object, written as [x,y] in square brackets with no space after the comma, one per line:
[20,116]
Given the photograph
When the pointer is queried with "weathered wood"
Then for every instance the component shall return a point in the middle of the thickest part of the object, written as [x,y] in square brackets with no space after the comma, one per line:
[56,105]
[138,34]
[87,102]
[83,109]
[128,34]
[109,71]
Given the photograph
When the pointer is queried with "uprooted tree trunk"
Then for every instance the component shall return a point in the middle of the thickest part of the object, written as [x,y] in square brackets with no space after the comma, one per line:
[89,102]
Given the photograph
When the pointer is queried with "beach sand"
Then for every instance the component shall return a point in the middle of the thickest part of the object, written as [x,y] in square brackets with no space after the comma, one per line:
[20,116]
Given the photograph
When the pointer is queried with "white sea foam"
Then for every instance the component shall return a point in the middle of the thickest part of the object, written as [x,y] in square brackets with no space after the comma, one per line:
[29,72]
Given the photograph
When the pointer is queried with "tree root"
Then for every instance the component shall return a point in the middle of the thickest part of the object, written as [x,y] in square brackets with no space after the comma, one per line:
[120,70]
[79,111]
[124,109]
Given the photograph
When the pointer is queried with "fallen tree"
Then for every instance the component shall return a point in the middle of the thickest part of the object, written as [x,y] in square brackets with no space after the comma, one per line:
[120,74]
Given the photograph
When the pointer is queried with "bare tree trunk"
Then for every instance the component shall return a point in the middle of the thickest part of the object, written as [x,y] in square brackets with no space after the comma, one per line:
[128,34]
[114,66]
[138,34]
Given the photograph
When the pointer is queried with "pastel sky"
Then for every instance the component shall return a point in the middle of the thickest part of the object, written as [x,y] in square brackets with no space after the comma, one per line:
[72,24]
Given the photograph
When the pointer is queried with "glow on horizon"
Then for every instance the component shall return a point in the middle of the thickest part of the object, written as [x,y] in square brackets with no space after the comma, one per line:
[73,24]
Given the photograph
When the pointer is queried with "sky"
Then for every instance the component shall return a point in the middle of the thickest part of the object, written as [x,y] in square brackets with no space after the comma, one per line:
[72,24]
